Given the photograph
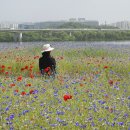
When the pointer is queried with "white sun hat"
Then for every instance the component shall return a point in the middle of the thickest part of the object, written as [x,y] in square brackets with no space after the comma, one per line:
[47,47]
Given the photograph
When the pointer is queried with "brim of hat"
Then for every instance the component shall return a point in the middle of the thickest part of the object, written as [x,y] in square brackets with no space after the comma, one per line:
[49,49]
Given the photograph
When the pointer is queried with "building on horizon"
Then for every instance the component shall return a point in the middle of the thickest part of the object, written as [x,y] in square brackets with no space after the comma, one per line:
[8,25]
[26,26]
[81,20]
[122,25]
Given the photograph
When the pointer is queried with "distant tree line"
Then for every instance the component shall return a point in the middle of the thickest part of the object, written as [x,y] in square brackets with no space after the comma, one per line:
[94,35]
[84,25]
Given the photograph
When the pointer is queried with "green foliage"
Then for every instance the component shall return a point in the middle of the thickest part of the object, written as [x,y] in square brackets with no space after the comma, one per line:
[6,37]
[90,35]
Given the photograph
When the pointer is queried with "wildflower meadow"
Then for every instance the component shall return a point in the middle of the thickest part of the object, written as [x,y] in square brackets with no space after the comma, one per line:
[91,89]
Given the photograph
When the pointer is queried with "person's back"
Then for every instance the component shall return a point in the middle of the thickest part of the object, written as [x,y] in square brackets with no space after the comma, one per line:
[47,64]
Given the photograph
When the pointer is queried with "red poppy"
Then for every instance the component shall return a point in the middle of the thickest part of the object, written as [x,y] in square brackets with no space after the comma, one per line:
[46,69]
[31,91]
[67,96]
[16,90]
[61,57]
[31,67]
[2,70]
[12,85]
[3,66]
[23,93]
[19,78]
[9,67]
[6,73]
[28,85]
[81,84]
[105,67]
[31,76]
[110,82]
[36,57]
[22,69]
[26,67]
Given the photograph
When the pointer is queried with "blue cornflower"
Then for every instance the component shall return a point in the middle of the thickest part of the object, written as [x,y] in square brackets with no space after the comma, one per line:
[93,124]
[101,102]
[7,119]
[83,126]
[67,86]
[64,124]
[11,128]
[113,124]
[90,118]
[11,117]
[7,108]
[35,96]
[100,119]
[42,104]
[120,123]
[60,113]
[25,111]
[9,123]
[55,93]
[53,125]
[77,123]
[90,95]
[106,107]
[59,120]
[125,115]
[35,92]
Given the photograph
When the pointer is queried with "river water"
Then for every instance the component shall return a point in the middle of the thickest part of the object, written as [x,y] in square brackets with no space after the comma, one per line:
[68,45]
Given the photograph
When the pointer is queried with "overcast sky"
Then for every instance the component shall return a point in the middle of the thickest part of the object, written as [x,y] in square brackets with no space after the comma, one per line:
[48,10]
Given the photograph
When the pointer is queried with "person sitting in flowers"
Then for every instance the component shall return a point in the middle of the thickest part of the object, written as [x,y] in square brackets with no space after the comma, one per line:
[47,63]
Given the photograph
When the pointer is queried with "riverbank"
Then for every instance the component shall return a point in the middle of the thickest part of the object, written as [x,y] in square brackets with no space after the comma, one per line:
[98,35]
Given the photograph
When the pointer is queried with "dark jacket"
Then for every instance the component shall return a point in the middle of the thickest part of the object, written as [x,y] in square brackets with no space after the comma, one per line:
[47,61]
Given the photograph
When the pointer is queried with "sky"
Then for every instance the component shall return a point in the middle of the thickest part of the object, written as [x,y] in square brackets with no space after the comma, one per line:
[108,11]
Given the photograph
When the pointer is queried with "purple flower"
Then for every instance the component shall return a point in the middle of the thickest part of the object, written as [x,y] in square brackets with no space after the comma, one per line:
[7,108]
[100,119]
[11,117]
[93,124]
[83,126]
[60,113]
[53,125]
[11,128]
[101,102]
[90,118]
[35,96]
[42,104]
[113,124]
[106,107]
[125,115]
[77,123]
[67,86]
[25,111]
[9,123]
[120,123]
[90,95]
[59,120]
[35,92]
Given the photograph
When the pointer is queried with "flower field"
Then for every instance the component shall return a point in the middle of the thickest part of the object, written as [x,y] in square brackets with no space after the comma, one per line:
[90,91]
